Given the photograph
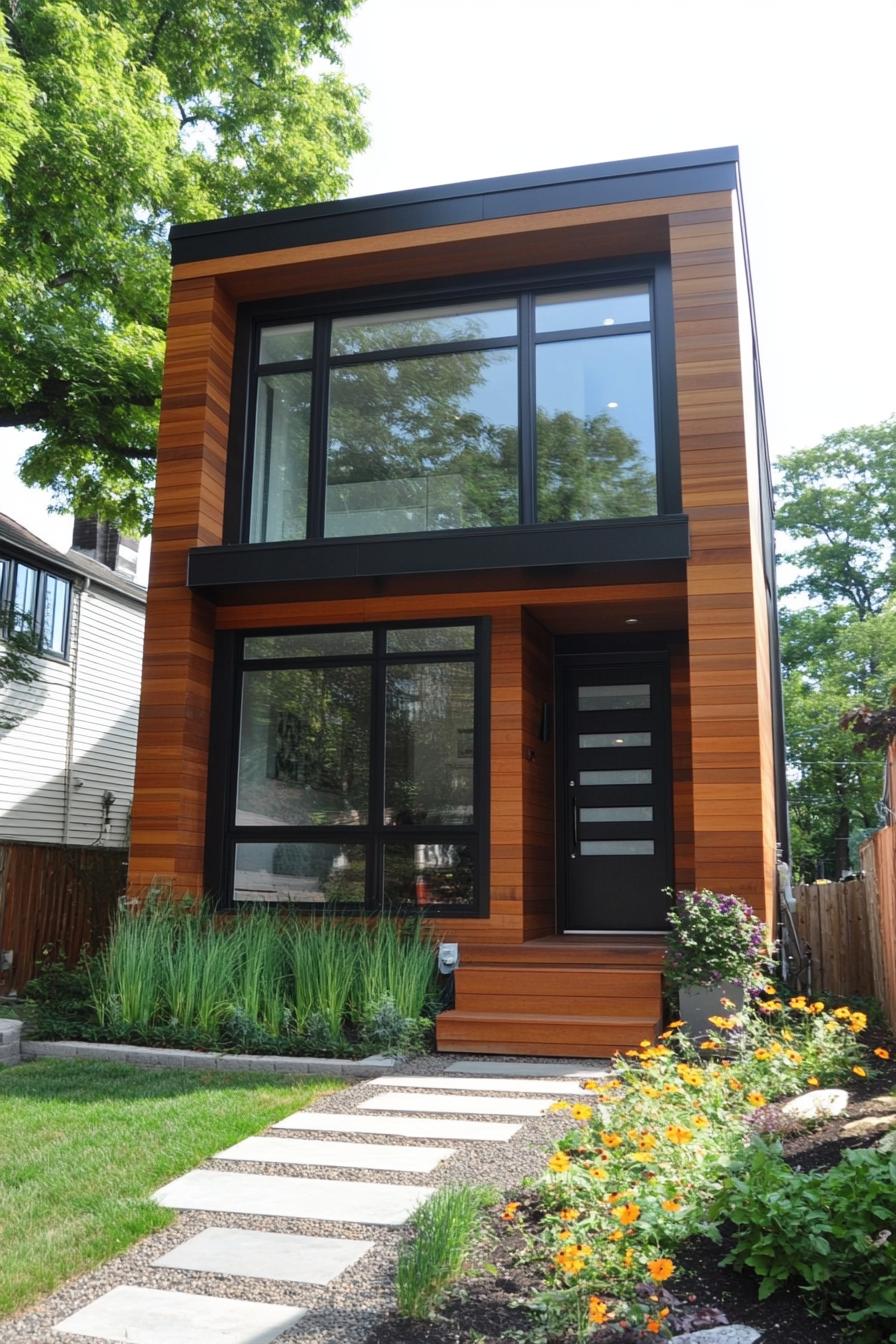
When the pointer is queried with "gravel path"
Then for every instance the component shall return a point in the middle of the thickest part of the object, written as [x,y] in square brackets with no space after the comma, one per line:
[343,1311]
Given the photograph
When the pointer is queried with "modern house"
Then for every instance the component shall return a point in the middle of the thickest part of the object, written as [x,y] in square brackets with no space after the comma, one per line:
[462,598]
[67,754]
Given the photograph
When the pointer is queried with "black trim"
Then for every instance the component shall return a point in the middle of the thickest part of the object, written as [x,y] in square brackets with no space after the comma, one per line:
[215,569]
[459,203]
[36,615]
[223,834]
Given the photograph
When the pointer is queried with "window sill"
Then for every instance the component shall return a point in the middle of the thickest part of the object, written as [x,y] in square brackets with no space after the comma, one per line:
[217,569]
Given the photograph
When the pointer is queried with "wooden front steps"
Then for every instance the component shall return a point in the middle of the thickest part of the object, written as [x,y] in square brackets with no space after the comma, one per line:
[579,996]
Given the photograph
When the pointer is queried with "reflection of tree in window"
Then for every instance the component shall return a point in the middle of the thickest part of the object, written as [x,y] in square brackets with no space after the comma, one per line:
[427,779]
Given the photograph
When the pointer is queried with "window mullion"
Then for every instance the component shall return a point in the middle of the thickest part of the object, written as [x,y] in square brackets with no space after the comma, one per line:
[377,773]
[527,409]
[317,447]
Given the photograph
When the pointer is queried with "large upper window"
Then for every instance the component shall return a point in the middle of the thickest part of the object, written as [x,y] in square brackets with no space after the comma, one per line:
[35,601]
[357,772]
[523,408]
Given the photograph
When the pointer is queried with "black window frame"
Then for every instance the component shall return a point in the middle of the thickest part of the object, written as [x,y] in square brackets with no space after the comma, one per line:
[11,566]
[653,269]
[222,832]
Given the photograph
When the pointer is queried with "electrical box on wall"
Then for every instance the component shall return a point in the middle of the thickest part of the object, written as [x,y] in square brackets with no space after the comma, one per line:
[449,958]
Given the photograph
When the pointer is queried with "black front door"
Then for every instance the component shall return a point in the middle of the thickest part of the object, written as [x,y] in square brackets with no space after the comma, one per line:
[614,799]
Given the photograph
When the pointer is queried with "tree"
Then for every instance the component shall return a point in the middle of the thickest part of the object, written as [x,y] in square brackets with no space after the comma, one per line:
[117,119]
[837,506]
[18,661]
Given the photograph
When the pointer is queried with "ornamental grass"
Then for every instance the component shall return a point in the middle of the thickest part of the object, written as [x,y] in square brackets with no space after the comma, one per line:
[651,1152]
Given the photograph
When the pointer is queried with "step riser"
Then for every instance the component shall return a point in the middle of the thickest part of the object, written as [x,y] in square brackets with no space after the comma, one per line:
[576,954]
[558,982]
[567,1050]
[643,1006]
[540,1031]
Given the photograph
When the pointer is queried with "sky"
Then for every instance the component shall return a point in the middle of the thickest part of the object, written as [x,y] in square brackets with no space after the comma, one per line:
[459,89]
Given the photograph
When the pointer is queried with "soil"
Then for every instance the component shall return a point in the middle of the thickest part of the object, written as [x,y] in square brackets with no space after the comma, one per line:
[488,1305]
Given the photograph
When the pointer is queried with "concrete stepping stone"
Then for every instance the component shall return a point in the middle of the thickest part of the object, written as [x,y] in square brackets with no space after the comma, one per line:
[293,1197]
[537,1086]
[453,1104]
[521,1069]
[152,1316]
[399,1126]
[328,1153]
[282,1256]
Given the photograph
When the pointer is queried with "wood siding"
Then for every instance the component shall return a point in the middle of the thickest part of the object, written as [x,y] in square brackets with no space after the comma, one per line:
[168,834]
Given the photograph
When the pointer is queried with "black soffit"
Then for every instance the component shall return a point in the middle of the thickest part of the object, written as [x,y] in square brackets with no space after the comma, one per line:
[661,175]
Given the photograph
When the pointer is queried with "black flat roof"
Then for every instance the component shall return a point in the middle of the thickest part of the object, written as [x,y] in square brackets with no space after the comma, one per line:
[698,171]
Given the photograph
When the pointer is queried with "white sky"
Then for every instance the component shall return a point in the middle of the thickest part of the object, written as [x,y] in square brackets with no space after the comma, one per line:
[461,89]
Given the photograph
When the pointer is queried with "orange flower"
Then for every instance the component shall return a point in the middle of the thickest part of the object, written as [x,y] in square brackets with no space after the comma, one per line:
[510,1211]
[568,1215]
[678,1134]
[598,1311]
[735,1085]
[760,1054]
[709,1045]
[617,1235]
[672,1205]
[610,1140]
[652,1325]
[755,1099]
[700,1122]
[813,1081]
[677,1023]
[581,1112]
[559,1162]
[882,1053]
[859,1071]
[564,1234]
[627,1214]
[661,1269]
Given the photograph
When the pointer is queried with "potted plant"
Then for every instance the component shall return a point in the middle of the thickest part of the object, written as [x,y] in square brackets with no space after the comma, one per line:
[716,948]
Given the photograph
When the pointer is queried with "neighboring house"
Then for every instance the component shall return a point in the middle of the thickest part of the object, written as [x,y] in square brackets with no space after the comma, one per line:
[67,764]
[462,599]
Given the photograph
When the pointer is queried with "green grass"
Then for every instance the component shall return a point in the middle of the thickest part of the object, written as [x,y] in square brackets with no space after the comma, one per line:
[445,1230]
[85,1145]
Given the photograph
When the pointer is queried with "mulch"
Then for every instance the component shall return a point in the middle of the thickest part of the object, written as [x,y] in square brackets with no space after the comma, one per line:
[488,1305]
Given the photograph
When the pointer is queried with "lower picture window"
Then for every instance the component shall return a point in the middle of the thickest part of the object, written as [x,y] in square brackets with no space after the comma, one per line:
[356,779]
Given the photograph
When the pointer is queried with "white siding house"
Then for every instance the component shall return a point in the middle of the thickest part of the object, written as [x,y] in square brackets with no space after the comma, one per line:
[67,762]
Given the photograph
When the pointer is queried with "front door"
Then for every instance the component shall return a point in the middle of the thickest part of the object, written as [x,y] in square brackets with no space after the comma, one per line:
[615,797]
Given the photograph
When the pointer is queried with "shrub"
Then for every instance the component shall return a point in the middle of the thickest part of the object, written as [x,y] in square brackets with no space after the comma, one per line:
[445,1229]
[828,1232]
[714,938]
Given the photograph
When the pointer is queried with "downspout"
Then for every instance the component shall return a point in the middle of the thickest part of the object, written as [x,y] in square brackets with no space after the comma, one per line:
[74,648]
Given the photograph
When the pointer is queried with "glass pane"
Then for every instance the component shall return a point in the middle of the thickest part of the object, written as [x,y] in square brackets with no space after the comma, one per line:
[592,308]
[614,697]
[424,326]
[291,342]
[596,847]
[429,744]
[55,611]
[616,813]
[280,464]
[314,644]
[430,639]
[300,873]
[615,776]
[417,873]
[24,598]
[304,747]
[614,739]
[594,429]
[419,445]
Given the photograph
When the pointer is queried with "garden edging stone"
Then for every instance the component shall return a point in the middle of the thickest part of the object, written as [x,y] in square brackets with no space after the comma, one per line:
[149,1056]
[10,1041]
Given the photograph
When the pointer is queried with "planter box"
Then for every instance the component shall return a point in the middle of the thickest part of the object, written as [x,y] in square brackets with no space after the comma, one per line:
[698,1003]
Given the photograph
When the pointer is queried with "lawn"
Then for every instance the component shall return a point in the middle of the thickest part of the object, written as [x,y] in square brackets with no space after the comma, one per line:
[85,1145]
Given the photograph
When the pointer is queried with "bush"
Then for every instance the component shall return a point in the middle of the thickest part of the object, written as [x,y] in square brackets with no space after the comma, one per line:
[445,1229]
[714,938]
[827,1232]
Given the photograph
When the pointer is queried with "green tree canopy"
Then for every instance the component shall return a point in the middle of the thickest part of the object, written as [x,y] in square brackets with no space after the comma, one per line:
[117,119]
[837,507]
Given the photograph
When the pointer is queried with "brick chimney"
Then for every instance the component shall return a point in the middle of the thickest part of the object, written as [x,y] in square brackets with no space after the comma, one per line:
[103,542]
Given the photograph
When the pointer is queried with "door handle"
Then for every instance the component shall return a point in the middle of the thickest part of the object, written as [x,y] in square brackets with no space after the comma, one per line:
[575,820]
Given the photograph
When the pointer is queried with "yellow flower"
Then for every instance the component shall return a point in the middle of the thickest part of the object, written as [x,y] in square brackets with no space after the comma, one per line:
[642,1155]
[709,1045]
[678,1134]
[598,1311]
[760,1054]
[843,1013]
[568,1215]
[677,1023]
[627,1213]
[559,1106]
[510,1211]
[755,1099]
[794,1056]
[628,1258]
[564,1234]
[581,1112]
[882,1053]
[735,1085]
[660,1269]
[598,1173]
[724,1023]
[617,1235]
[798,1001]
[813,1081]
[651,1092]
[672,1205]
[610,1140]
[700,1122]
[645,1045]
[857,1022]
[591,1085]
[859,1071]
[786,1034]
[770,989]
[559,1162]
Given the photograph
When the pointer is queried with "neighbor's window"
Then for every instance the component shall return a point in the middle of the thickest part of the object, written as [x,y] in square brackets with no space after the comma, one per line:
[429,419]
[357,768]
[32,599]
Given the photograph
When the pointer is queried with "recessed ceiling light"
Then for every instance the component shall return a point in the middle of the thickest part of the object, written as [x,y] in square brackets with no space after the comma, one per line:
[618,741]
[631,620]
[612,405]
[609,322]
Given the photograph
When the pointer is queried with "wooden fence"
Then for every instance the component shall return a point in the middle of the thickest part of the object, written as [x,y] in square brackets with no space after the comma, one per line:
[54,896]
[836,920]
[878,857]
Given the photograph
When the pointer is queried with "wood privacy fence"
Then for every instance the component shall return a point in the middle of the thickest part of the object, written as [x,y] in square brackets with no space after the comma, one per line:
[836,920]
[53,895]
[878,857]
